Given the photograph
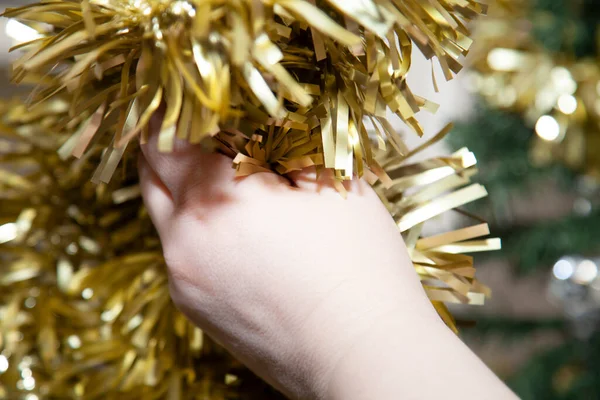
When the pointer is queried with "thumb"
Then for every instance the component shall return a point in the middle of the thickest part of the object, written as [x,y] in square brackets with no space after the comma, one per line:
[186,168]
[157,198]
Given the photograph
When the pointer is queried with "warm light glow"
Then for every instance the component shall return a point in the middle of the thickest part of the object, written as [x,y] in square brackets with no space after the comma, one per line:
[87,293]
[582,206]
[563,269]
[563,81]
[505,59]
[567,104]
[3,363]
[586,272]
[74,341]
[545,99]
[29,383]
[8,232]
[547,128]
[30,302]
[21,32]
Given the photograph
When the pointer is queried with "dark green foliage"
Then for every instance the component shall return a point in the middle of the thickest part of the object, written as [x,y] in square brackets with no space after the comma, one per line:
[501,141]
[568,372]
[566,26]
[512,328]
[542,244]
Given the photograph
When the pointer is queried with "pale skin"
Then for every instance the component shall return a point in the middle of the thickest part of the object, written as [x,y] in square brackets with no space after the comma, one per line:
[315,293]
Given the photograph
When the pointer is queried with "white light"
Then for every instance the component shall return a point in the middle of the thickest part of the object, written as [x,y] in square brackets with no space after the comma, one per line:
[31,396]
[563,80]
[547,128]
[545,99]
[21,32]
[563,269]
[177,7]
[26,362]
[30,302]
[74,341]
[505,59]
[29,383]
[586,272]
[582,206]
[3,363]
[567,104]
[72,248]
[87,293]
[8,232]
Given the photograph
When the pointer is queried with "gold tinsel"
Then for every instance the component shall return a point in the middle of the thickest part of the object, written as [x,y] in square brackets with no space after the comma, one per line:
[557,94]
[84,304]
[320,68]
[83,293]
[277,85]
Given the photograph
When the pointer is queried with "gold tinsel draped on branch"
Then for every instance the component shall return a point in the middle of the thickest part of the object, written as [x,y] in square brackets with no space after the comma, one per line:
[277,85]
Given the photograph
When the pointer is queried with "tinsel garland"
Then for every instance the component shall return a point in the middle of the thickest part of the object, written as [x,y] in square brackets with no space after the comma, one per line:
[277,85]
[311,69]
[84,302]
[556,93]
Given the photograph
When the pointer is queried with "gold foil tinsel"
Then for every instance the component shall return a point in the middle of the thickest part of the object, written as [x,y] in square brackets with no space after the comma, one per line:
[277,85]
[84,304]
[319,67]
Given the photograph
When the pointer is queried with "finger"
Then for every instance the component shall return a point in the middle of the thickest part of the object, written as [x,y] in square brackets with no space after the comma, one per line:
[170,167]
[157,198]
[186,166]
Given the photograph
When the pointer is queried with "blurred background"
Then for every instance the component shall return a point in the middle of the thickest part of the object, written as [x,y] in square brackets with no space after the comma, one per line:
[533,81]
[528,105]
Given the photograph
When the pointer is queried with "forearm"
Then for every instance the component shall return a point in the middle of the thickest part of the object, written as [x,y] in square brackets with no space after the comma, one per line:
[414,358]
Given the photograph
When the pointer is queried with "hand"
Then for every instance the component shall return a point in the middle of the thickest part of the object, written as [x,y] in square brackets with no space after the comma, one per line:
[308,289]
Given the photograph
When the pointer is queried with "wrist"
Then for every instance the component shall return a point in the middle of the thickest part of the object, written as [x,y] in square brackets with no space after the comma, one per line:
[352,334]
[379,361]
[412,359]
